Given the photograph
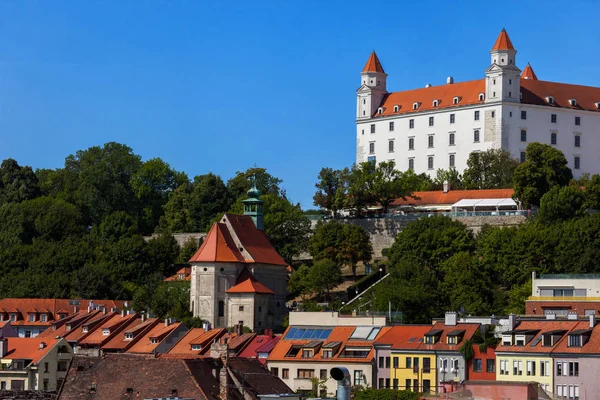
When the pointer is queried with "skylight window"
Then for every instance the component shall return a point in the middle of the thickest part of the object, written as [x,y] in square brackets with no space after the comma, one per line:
[365,333]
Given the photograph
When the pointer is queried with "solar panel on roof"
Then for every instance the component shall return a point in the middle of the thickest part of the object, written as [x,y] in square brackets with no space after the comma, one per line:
[299,333]
[325,334]
[291,333]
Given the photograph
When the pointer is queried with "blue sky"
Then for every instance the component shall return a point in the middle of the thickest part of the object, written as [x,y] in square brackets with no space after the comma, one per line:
[221,86]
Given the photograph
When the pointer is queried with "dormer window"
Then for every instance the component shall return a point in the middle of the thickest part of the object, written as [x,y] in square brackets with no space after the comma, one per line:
[105,332]
[415,106]
[68,326]
[579,337]
[481,96]
[380,110]
[44,317]
[455,336]
[573,102]
[13,317]
[129,336]
[84,329]
[307,353]
[432,337]
[196,347]
[455,100]
[597,105]
[32,317]
[154,340]
[506,340]
[436,103]
[327,353]
[550,100]
[396,108]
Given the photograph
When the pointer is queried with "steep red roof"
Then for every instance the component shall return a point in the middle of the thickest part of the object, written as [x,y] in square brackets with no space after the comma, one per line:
[254,240]
[592,346]
[218,247]
[538,328]
[467,93]
[536,91]
[528,73]
[404,337]
[250,285]
[503,42]
[453,196]
[373,64]
[29,348]
[468,330]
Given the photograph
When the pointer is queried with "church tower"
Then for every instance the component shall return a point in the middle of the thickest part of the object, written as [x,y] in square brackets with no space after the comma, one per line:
[502,77]
[253,206]
[372,88]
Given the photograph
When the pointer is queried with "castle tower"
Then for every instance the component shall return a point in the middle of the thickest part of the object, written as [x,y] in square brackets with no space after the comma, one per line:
[372,88]
[502,77]
[253,206]
[528,73]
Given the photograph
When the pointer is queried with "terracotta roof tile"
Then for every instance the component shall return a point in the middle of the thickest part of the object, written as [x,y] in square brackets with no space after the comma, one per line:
[543,326]
[439,197]
[114,325]
[503,42]
[404,337]
[254,240]
[260,344]
[528,73]
[441,344]
[592,346]
[535,92]
[29,348]
[373,64]
[195,336]
[218,246]
[467,93]
[248,285]
[145,345]
[184,274]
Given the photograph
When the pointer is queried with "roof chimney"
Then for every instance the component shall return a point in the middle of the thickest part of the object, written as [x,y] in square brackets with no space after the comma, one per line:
[75,310]
[143,317]
[592,321]
[450,80]
[451,318]
[3,347]
[572,315]
[122,312]
[446,186]
[512,321]
[42,345]
[90,306]
[167,321]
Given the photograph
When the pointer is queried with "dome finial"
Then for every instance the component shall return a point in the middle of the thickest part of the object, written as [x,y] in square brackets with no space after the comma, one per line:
[253,192]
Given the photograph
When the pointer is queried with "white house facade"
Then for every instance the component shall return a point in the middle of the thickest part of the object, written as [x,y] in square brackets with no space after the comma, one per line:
[440,126]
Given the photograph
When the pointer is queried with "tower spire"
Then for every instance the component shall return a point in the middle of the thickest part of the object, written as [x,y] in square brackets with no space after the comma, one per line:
[503,42]
[373,64]
[528,73]
[253,206]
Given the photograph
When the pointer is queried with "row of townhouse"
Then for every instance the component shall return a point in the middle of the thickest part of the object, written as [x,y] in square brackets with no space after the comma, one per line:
[423,358]
[563,356]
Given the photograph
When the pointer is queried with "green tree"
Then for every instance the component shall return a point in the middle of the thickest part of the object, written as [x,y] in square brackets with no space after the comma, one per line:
[162,251]
[265,182]
[345,244]
[432,241]
[391,184]
[490,169]
[299,283]
[331,189]
[561,204]
[17,183]
[517,296]
[189,248]
[452,176]
[324,275]
[544,168]
[361,191]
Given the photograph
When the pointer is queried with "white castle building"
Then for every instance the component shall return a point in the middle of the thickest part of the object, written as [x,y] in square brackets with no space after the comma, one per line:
[439,126]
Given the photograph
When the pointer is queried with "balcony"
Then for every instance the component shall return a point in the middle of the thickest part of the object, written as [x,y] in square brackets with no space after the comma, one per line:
[563,298]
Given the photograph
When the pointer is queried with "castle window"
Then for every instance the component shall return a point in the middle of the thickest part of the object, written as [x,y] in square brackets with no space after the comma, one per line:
[577,141]
[430,162]
[553,118]
[380,111]
[481,97]
[476,115]
[451,140]
[476,136]
[411,164]
[494,81]
[372,128]
[452,118]
[411,124]
[523,114]
[430,121]
[372,148]
[435,103]
[455,100]
[550,100]
[411,143]
[576,162]
[577,120]
[509,94]
[392,126]
[523,135]
[221,308]
[573,102]
[396,108]
[241,308]
[415,106]
[430,141]
[523,157]
[510,81]
[493,114]
[451,160]
[391,146]
[364,101]
[553,138]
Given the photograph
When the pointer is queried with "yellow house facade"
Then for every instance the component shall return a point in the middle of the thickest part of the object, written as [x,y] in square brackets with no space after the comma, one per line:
[525,367]
[413,371]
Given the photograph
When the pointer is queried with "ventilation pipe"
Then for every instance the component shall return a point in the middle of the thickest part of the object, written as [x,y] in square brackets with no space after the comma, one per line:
[342,375]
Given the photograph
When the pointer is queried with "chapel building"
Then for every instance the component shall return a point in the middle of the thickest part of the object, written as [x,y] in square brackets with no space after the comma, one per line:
[440,126]
[237,276]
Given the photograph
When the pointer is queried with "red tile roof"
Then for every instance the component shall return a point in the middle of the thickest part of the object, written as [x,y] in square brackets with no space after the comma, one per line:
[29,348]
[260,344]
[184,274]
[247,283]
[78,334]
[195,336]
[338,334]
[439,197]
[536,91]
[592,346]
[159,331]
[528,73]
[64,326]
[467,93]
[542,326]
[441,344]
[373,64]
[404,337]
[114,325]
[118,341]
[503,42]
[221,243]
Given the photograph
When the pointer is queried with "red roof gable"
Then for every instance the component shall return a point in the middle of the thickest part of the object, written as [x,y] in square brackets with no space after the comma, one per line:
[29,348]
[453,196]
[503,42]
[249,285]
[254,240]
[218,246]
[373,64]
[528,73]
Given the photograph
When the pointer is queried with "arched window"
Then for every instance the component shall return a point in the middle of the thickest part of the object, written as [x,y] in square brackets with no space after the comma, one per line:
[435,103]
[481,97]
[455,100]
[396,108]
[415,106]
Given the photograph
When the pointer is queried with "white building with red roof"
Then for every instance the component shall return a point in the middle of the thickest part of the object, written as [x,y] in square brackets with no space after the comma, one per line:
[439,126]
[237,275]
